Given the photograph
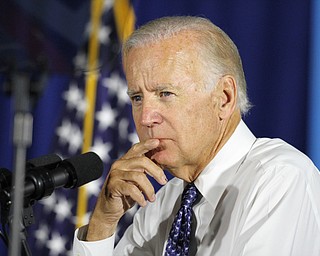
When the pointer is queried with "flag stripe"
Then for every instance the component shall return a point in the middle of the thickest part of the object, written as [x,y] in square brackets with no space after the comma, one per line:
[90,92]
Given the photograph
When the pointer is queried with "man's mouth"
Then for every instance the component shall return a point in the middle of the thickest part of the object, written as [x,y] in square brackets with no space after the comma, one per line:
[153,152]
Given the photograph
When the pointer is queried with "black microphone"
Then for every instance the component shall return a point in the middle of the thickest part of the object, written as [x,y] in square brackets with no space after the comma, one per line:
[48,161]
[74,172]
[46,173]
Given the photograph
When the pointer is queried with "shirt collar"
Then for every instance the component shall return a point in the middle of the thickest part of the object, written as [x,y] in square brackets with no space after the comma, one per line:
[214,179]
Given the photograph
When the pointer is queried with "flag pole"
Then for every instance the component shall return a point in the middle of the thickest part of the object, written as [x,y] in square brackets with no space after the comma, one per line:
[90,94]
[124,18]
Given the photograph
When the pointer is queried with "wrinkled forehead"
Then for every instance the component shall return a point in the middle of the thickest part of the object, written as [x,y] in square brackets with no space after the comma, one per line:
[180,50]
[185,39]
[167,62]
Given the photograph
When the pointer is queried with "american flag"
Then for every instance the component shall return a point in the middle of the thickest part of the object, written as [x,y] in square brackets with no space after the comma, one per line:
[113,135]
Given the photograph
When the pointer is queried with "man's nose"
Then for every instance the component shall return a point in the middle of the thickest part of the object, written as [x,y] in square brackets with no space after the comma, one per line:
[150,116]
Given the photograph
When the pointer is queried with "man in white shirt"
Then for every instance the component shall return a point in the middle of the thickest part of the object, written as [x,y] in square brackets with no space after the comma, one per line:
[188,92]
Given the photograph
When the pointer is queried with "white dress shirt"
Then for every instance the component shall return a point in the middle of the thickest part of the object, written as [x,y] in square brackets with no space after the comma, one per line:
[260,197]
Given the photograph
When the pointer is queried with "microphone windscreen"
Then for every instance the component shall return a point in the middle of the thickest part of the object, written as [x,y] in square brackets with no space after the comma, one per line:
[88,167]
[50,161]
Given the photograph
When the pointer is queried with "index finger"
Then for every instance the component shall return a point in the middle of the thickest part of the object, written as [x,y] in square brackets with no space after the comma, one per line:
[141,148]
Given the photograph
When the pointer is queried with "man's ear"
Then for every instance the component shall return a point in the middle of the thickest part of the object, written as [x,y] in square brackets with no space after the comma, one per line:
[228,96]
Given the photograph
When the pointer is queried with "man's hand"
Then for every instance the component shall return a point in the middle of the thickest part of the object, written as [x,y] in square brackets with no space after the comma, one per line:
[126,184]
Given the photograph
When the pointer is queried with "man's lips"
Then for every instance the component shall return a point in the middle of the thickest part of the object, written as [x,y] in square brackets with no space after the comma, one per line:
[157,149]
[152,152]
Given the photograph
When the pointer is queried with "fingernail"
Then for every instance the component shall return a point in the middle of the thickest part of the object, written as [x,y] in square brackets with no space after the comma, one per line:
[153,198]
[144,203]
[164,180]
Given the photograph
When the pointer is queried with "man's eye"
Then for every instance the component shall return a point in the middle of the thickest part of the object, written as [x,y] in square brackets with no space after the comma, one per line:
[165,94]
[136,98]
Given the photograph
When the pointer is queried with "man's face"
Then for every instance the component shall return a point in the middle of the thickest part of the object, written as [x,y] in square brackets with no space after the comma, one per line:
[169,103]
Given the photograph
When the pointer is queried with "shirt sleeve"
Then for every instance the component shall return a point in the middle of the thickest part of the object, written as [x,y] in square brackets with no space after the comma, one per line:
[93,248]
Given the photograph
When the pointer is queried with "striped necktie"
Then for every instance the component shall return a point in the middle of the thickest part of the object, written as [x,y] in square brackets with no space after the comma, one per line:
[180,233]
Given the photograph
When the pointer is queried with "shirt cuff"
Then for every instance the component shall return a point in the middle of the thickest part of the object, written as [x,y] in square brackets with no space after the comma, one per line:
[93,248]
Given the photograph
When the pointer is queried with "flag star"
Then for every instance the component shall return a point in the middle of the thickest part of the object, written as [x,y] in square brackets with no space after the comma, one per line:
[108,4]
[84,219]
[106,117]
[57,244]
[69,252]
[133,138]
[75,139]
[82,108]
[49,203]
[104,34]
[93,188]
[64,131]
[116,86]
[87,29]
[80,60]
[123,128]
[73,96]
[123,97]
[63,208]
[102,149]
[42,234]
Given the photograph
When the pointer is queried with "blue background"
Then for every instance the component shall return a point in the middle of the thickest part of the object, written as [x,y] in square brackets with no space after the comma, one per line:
[279,42]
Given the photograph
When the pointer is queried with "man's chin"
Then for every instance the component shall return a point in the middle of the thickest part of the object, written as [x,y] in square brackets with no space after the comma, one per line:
[162,160]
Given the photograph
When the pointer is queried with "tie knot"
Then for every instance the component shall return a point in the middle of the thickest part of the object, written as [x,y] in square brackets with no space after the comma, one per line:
[189,195]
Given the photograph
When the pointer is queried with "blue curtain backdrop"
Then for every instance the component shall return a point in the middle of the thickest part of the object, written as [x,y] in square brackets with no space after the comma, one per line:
[313,138]
[278,40]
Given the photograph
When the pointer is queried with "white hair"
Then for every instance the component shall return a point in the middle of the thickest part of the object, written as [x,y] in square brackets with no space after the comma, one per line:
[217,51]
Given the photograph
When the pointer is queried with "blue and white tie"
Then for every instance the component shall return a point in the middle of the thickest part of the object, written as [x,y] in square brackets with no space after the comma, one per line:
[180,233]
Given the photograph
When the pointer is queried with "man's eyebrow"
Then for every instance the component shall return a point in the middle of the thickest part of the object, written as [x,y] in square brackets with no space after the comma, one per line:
[164,87]
[157,88]
[131,92]
[161,87]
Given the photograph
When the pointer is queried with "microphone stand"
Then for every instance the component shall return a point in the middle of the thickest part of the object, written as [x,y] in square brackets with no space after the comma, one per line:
[22,139]
[25,83]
